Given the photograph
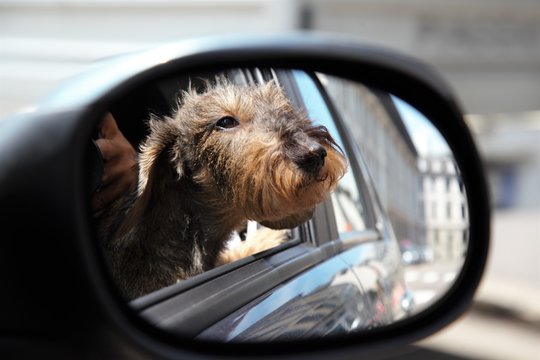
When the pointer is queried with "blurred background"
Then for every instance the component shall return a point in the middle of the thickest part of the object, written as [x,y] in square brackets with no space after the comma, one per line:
[488,50]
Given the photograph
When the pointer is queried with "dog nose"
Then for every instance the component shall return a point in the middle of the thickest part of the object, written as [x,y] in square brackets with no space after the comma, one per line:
[313,161]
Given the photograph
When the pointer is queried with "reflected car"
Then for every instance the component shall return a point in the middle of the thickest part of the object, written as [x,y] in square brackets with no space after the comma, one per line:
[415,254]
[337,273]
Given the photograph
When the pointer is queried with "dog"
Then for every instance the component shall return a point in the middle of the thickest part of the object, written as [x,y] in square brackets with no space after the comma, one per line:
[227,155]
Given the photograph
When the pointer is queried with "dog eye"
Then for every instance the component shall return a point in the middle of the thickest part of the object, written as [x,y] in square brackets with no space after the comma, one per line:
[226,122]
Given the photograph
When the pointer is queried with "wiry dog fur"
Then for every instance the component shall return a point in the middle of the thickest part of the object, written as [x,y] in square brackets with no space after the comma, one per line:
[227,155]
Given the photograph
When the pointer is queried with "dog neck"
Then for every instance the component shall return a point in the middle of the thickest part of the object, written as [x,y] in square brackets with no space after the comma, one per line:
[178,218]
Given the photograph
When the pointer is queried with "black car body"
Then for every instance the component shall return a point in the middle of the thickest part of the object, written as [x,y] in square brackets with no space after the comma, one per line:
[60,302]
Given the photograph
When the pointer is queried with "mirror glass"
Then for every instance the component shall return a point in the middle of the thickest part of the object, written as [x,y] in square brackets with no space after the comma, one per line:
[274,204]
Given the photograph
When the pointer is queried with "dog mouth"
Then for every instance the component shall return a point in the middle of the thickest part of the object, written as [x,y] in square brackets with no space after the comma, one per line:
[308,181]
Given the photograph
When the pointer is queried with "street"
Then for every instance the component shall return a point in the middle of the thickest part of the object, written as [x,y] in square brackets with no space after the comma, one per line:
[504,320]
[430,280]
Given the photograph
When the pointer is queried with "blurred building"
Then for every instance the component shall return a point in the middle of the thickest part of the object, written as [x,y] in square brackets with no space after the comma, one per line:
[489,51]
[445,201]
[486,49]
[511,152]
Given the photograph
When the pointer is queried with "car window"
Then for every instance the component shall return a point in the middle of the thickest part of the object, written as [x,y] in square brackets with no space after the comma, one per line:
[349,205]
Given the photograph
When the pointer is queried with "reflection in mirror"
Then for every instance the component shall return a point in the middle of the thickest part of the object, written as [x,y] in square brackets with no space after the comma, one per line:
[270,204]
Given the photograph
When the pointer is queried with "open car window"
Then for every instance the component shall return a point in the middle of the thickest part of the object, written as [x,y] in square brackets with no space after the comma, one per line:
[161,99]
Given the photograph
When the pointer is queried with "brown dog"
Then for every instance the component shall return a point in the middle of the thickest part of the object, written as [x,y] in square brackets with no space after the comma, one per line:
[230,154]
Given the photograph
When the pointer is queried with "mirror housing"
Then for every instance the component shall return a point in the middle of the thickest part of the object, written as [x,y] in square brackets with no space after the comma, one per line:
[50,186]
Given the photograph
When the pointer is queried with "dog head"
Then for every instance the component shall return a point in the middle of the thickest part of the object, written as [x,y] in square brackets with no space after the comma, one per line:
[250,152]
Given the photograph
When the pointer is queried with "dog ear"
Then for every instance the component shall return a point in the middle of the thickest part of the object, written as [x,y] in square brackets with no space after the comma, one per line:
[158,155]
[290,221]
[160,144]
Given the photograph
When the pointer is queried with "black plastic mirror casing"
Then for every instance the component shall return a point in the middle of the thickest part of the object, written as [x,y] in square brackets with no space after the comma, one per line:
[58,301]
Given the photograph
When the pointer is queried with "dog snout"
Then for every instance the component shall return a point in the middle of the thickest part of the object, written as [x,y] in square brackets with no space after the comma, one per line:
[312,160]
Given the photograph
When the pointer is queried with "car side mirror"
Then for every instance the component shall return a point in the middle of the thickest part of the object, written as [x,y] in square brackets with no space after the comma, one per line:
[362,110]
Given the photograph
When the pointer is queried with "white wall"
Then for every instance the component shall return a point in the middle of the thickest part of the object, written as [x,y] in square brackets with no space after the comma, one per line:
[43,42]
[489,50]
